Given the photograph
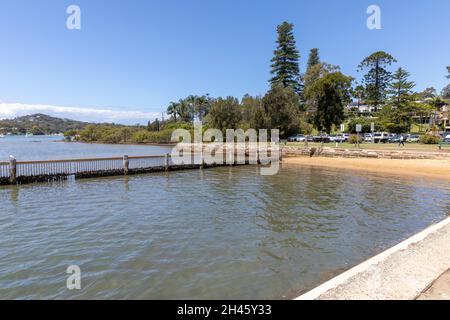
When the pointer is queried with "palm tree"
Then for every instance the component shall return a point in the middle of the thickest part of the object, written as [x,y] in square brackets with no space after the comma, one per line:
[173,110]
[185,110]
[202,106]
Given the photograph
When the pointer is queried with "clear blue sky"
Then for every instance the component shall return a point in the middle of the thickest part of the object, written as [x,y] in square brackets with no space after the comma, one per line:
[140,55]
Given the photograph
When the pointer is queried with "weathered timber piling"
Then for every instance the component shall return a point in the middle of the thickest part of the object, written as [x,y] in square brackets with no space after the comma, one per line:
[126,165]
[166,162]
[12,170]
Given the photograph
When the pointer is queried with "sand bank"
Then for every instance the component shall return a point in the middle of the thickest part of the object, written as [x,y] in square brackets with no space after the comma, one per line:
[414,167]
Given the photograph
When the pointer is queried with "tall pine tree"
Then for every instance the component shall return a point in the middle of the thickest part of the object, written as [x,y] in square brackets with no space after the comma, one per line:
[377,79]
[285,67]
[313,59]
[401,88]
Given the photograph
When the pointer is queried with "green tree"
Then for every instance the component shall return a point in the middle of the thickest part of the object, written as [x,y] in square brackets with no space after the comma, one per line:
[202,106]
[446,92]
[172,110]
[359,93]
[285,67]
[395,120]
[378,77]
[423,110]
[314,73]
[329,94]
[437,103]
[249,106]
[224,114]
[401,89]
[313,59]
[186,110]
[428,93]
[281,107]
[154,125]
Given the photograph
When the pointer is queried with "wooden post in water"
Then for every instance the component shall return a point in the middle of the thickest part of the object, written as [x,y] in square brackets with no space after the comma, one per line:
[202,160]
[126,165]
[166,162]
[12,170]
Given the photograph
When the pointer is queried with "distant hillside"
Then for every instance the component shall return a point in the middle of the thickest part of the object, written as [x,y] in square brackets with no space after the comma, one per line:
[39,124]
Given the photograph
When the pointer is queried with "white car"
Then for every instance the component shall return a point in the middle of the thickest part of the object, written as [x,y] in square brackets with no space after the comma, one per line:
[381,137]
[346,136]
[367,137]
[447,138]
[413,138]
[297,138]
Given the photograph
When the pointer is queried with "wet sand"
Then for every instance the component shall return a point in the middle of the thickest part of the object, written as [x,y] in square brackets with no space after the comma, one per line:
[415,167]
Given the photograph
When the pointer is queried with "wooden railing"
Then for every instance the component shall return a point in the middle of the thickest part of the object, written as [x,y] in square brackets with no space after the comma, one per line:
[22,172]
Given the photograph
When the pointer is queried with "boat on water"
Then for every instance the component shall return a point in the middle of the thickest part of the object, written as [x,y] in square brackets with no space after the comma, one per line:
[2,135]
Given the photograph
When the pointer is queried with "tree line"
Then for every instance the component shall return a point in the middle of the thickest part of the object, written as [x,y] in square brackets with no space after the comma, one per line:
[302,102]
[316,99]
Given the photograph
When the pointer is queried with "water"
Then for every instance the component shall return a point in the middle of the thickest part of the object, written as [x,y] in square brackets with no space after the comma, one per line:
[54,148]
[219,233]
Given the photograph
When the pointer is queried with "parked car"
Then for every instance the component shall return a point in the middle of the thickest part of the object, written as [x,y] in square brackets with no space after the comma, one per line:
[310,138]
[447,138]
[297,138]
[346,136]
[367,137]
[413,138]
[381,137]
[339,138]
[394,138]
[321,138]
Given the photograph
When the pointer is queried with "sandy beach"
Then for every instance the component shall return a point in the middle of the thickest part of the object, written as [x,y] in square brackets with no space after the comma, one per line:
[414,167]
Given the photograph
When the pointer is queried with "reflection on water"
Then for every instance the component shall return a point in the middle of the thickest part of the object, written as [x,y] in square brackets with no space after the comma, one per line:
[218,233]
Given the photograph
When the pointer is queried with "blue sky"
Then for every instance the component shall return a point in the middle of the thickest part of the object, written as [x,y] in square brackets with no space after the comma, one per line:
[131,58]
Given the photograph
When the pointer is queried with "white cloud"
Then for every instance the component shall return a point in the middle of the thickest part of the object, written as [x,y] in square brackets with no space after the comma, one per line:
[12,110]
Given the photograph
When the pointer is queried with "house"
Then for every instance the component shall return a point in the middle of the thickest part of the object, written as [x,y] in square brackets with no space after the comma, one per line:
[360,108]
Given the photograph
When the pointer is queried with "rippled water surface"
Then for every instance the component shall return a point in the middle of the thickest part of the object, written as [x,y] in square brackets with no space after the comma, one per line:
[217,233]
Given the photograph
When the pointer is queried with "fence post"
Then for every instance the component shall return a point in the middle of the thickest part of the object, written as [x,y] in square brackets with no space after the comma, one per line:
[12,170]
[202,160]
[166,162]
[126,165]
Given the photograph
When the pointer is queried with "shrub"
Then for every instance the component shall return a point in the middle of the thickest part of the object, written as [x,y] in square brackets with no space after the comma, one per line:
[354,139]
[430,139]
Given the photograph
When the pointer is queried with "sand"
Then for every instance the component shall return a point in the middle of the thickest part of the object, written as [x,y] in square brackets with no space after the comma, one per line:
[439,290]
[439,169]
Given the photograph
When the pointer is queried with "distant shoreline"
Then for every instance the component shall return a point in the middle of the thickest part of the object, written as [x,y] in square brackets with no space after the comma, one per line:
[126,144]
